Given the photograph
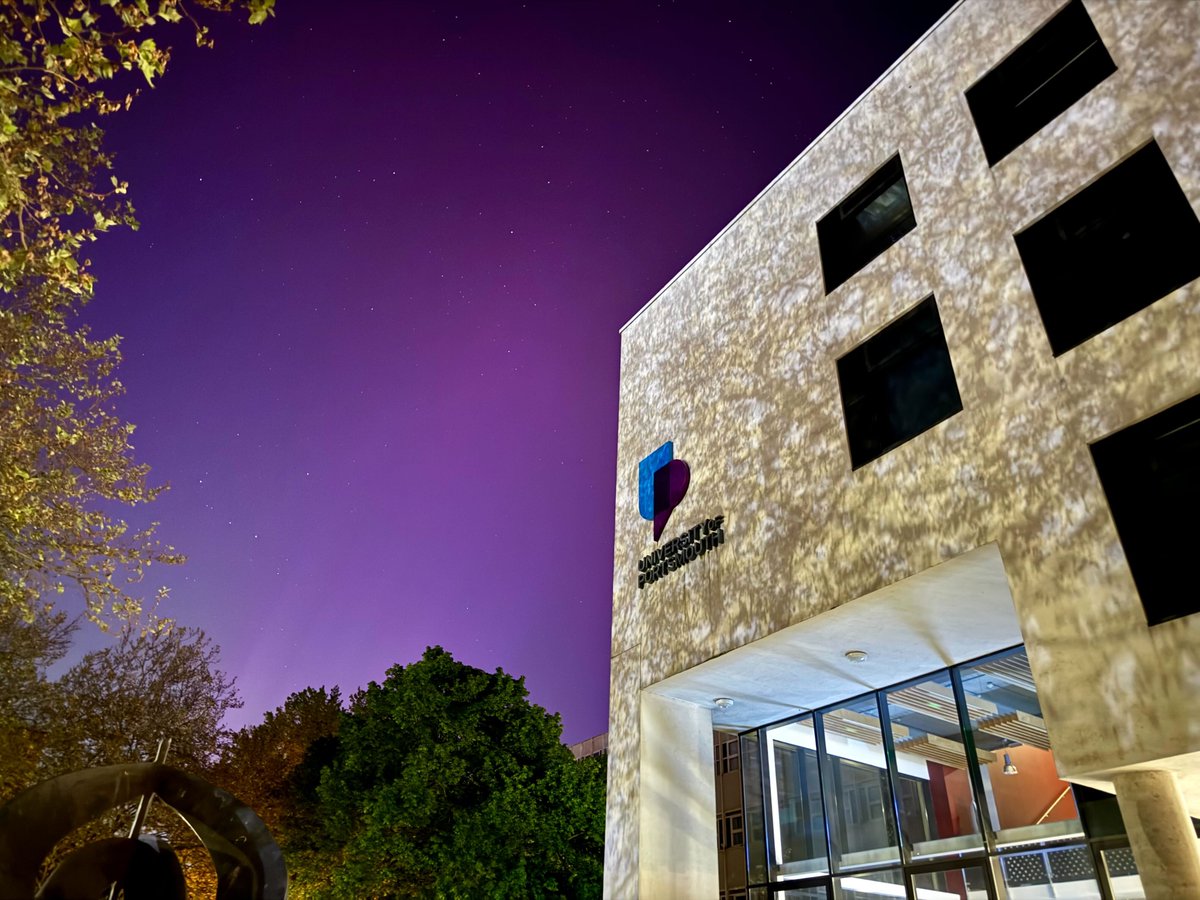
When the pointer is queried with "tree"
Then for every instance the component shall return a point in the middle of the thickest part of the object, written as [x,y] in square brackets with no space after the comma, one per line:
[258,764]
[115,703]
[65,455]
[27,696]
[111,707]
[448,782]
[275,766]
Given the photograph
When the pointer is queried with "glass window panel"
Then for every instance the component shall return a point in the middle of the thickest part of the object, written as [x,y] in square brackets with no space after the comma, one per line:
[1147,470]
[865,224]
[870,886]
[1056,66]
[753,809]
[819,892]
[796,821]
[953,884]
[1026,800]
[860,800]
[729,751]
[1127,239]
[937,807]
[1124,882]
[897,384]
[1050,874]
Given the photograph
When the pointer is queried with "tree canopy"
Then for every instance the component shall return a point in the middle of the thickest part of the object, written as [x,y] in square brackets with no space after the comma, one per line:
[66,458]
[445,781]
[112,706]
[260,762]
[115,703]
[27,696]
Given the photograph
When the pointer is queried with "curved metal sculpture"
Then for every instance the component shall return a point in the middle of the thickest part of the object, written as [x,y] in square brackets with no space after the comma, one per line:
[248,861]
[145,871]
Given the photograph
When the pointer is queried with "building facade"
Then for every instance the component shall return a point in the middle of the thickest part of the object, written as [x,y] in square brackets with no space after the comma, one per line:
[907,484]
[593,746]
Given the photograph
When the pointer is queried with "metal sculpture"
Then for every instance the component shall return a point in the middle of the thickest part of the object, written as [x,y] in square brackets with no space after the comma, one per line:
[248,862]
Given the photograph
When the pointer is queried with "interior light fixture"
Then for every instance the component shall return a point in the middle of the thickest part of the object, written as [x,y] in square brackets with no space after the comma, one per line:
[723,702]
[1009,768]
[856,655]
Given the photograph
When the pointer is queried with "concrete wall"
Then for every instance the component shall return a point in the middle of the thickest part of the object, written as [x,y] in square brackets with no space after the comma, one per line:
[734,361]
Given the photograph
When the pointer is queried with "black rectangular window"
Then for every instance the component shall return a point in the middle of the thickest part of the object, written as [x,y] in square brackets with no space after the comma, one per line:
[1151,476]
[897,384]
[1114,248]
[865,224]
[1058,64]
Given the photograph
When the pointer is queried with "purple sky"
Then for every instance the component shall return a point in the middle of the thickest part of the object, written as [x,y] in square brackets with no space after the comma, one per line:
[371,318]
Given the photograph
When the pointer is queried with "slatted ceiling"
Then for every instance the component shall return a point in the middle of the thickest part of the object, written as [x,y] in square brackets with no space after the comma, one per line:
[837,725]
[942,750]
[1013,669]
[937,702]
[859,727]
[1018,726]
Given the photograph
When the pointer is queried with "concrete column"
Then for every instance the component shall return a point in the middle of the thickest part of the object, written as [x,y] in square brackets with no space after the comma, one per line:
[1160,833]
[678,816]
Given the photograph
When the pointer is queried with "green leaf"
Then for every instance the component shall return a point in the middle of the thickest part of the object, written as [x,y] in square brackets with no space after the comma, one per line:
[260,9]
[147,59]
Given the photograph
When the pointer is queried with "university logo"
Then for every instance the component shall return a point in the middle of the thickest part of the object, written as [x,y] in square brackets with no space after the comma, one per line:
[662,485]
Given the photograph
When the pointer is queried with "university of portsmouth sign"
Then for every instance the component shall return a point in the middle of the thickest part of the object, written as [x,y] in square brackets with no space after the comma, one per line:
[662,484]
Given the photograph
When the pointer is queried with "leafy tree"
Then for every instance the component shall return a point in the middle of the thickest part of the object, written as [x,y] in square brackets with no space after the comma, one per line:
[111,707]
[275,767]
[115,703]
[27,697]
[258,764]
[448,782]
[65,455]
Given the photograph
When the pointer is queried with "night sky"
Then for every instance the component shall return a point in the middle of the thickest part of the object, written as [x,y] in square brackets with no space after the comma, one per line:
[371,317]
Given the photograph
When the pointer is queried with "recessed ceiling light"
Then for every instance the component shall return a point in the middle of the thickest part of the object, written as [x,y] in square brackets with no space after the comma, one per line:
[723,702]
[856,655]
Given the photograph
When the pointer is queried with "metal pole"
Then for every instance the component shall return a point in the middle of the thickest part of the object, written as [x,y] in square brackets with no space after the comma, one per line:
[139,818]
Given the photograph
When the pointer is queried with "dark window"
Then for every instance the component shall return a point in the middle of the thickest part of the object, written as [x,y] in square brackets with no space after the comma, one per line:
[865,224]
[1114,248]
[1151,476]
[729,830]
[729,756]
[1061,62]
[897,384]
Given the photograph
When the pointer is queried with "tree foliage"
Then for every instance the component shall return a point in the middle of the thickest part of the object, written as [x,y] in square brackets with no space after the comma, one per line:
[111,707]
[115,703]
[28,699]
[259,764]
[65,454]
[447,782]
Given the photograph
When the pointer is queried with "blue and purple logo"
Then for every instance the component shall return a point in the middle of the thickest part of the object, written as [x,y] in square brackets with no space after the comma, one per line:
[662,484]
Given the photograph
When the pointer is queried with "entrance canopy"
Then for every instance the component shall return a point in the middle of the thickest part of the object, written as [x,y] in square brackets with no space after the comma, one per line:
[951,613]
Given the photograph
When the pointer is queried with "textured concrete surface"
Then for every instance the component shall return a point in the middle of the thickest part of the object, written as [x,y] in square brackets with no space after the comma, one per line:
[734,361]
[1161,834]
